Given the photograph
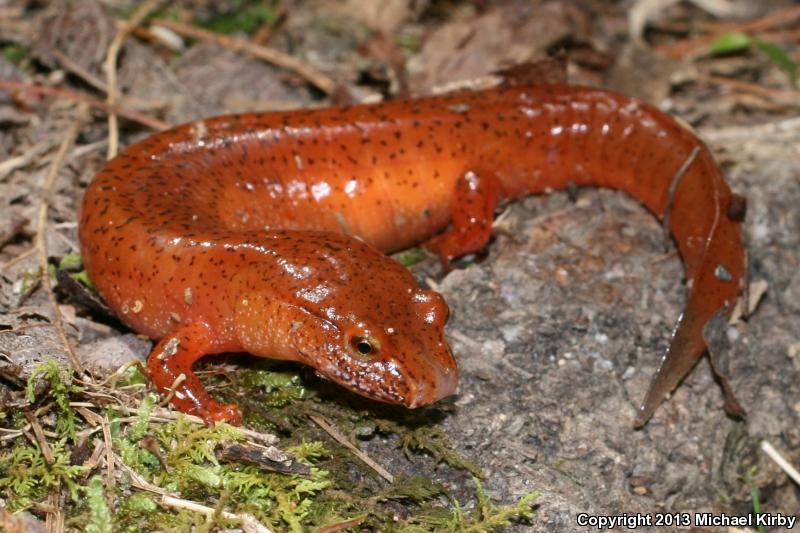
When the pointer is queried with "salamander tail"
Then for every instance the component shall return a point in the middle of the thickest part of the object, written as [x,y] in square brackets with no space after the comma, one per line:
[686,348]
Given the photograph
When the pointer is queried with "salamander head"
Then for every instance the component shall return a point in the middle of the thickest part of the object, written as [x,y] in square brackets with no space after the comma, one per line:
[403,359]
[368,326]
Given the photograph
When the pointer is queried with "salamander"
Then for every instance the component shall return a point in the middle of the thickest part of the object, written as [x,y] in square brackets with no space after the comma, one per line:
[266,232]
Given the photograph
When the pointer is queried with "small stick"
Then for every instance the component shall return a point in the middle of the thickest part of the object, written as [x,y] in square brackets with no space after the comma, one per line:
[696,46]
[162,414]
[75,96]
[18,259]
[762,131]
[338,437]
[322,81]
[55,518]
[12,434]
[137,480]
[40,439]
[100,85]
[13,163]
[776,18]
[79,70]
[773,454]
[40,242]
[341,526]
[249,522]
[172,390]
[92,418]
[94,460]
[786,95]
[109,445]
[112,53]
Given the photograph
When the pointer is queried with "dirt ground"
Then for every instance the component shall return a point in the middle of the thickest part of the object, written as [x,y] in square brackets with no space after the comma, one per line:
[559,327]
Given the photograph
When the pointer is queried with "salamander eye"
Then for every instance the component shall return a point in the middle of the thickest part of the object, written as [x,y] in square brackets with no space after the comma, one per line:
[364,345]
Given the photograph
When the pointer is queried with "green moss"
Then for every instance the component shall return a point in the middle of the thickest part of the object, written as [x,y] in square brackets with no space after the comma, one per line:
[182,457]
[60,389]
[143,414]
[132,376]
[410,257]
[411,42]
[17,54]
[26,477]
[278,388]
[29,282]
[99,512]
[243,16]
[485,517]
[70,262]
[433,440]
[73,264]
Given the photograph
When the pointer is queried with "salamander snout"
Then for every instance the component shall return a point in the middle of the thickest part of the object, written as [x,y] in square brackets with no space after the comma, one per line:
[396,367]
[437,381]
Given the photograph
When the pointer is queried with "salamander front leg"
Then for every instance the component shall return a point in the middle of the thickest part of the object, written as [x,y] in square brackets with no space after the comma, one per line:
[172,358]
[473,213]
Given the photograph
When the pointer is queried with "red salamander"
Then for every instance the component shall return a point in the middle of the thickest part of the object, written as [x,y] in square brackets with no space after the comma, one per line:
[266,232]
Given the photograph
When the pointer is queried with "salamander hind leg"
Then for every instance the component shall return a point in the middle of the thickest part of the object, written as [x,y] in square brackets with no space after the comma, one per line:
[170,367]
[472,216]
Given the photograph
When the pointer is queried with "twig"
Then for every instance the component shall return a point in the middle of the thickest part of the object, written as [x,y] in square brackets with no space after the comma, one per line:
[340,526]
[75,96]
[142,12]
[55,518]
[248,521]
[172,390]
[40,242]
[763,131]
[111,380]
[780,17]
[40,439]
[166,415]
[109,444]
[781,36]
[18,259]
[92,418]
[338,437]
[319,79]
[786,96]
[94,459]
[100,85]
[12,434]
[79,70]
[773,454]
[40,148]
[697,46]
[13,163]
[137,480]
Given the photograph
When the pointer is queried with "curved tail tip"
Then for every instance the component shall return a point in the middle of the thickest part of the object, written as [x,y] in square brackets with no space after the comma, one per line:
[643,416]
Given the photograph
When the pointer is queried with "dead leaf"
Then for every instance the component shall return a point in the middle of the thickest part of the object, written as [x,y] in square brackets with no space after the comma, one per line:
[105,356]
[22,349]
[466,49]
[385,16]
[80,31]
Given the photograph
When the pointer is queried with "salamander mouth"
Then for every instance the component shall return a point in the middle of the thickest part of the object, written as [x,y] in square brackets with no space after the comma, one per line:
[439,383]
[386,380]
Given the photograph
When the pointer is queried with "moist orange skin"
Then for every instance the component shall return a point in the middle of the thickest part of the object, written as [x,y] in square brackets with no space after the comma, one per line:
[237,233]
